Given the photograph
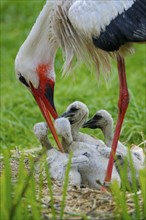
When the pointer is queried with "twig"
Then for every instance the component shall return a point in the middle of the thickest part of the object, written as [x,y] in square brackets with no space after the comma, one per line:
[59,209]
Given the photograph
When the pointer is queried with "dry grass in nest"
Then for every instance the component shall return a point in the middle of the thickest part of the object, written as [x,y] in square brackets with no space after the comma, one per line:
[80,201]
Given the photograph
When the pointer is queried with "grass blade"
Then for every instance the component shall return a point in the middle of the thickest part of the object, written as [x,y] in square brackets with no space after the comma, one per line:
[7,187]
[66,180]
[31,193]
[143,189]
[120,198]
[134,187]
[50,191]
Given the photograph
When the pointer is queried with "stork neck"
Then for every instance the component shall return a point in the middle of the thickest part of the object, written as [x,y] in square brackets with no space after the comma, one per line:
[67,141]
[40,43]
[75,128]
[108,134]
[46,143]
[77,125]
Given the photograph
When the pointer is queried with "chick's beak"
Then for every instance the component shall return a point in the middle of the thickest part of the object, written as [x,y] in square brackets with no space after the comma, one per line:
[44,96]
[89,124]
[67,114]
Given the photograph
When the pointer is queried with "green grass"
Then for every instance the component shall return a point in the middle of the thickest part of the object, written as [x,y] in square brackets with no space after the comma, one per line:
[19,111]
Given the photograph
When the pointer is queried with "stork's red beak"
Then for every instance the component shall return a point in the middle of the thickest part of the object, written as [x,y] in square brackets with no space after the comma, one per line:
[44,95]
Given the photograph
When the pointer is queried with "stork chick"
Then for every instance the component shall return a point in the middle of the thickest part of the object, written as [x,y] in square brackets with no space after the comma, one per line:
[41,131]
[77,113]
[103,120]
[57,161]
[93,171]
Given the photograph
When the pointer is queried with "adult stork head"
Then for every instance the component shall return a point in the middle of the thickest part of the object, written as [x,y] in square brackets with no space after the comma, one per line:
[34,67]
[40,80]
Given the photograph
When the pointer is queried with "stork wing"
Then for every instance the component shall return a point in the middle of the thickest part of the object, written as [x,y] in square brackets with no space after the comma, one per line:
[80,159]
[110,24]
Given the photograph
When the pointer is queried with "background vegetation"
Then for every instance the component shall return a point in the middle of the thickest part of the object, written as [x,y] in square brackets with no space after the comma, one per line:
[19,111]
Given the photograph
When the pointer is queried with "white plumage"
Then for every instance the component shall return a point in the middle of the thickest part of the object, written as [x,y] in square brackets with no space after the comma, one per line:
[93,171]
[58,161]
[88,19]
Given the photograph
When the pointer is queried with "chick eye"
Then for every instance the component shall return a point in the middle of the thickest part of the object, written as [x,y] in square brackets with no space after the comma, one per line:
[23,80]
[74,109]
[97,117]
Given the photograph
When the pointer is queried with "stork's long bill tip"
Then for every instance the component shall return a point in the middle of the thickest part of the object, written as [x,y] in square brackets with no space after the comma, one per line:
[46,105]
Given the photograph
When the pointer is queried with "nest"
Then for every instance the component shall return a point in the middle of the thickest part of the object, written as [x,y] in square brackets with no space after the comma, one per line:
[80,201]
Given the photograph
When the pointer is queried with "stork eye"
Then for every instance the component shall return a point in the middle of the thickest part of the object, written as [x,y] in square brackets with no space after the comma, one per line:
[23,80]
[97,117]
[74,109]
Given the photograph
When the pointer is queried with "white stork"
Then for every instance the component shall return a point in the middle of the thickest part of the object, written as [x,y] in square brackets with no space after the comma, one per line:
[92,31]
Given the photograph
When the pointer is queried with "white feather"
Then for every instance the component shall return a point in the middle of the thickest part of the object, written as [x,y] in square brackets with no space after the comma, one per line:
[90,17]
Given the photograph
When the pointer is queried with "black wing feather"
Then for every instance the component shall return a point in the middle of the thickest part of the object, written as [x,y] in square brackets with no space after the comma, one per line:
[130,26]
